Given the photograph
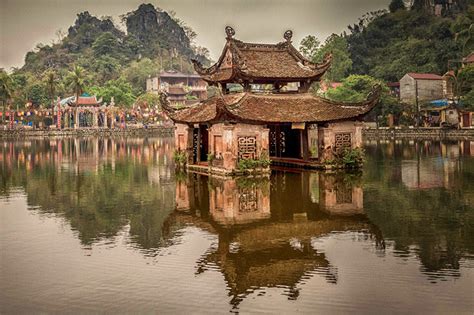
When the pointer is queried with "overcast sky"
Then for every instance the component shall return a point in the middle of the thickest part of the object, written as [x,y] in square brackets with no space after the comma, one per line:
[25,23]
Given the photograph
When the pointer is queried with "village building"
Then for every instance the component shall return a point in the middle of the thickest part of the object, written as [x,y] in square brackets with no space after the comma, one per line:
[420,87]
[293,128]
[182,89]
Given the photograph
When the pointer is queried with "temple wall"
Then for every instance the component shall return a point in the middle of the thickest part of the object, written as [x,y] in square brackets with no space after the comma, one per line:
[231,204]
[345,133]
[226,141]
[182,195]
[338,197]
[184,140]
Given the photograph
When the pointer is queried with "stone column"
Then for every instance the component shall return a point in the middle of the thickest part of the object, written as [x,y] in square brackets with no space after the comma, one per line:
[112,121]
[95,118]
[76,119]
[105,118]
[228,145]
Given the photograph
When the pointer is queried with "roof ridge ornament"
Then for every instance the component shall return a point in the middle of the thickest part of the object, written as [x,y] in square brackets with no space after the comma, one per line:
[229,31]
[288,35]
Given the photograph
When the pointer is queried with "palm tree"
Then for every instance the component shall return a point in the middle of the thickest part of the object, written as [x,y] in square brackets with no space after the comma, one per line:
[76,80]
[51,82]
[6,90]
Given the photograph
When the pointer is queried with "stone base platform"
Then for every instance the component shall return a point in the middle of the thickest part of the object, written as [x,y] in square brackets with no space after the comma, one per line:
[418,134]
[204,169]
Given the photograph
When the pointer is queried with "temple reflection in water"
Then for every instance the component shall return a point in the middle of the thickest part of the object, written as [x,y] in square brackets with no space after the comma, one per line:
[266,226]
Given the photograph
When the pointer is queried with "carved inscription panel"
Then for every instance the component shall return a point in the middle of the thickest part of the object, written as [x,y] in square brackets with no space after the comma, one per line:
[247,147]
[343,140]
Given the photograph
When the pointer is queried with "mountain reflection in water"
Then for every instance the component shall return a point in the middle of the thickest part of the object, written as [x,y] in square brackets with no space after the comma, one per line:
[411,200]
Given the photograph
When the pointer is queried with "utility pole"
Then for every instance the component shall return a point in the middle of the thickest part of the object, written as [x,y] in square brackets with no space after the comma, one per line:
[417,122]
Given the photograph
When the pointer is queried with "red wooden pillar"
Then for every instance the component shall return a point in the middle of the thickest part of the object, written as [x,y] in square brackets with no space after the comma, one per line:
[58,115]
[12,118]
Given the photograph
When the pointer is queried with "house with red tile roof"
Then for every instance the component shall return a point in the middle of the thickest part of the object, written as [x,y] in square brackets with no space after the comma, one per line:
[469,59]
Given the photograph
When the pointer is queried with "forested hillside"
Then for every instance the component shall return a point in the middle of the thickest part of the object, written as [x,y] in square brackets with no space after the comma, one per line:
[387,45]
[111,61]
[409,38]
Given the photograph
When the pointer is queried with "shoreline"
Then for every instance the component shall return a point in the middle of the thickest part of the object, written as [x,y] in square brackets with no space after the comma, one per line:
[103,132]
[418,134]
[367,134]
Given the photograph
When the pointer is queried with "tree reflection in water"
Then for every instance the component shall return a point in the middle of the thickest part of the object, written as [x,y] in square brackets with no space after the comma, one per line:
[416,198]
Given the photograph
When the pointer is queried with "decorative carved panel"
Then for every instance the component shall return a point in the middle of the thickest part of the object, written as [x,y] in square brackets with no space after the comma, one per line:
[248,199]
[343,140]
[313,140]
[247,147]
[282,142]
[273,142]
[195,144]
[343,193]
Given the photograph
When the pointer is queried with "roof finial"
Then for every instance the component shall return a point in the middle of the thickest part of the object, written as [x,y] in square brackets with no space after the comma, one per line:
[288,34]
[229,31]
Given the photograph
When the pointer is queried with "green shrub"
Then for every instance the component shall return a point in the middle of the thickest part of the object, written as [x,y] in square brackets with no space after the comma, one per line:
[350,157]
[210,157]
[180,158]
[247,164]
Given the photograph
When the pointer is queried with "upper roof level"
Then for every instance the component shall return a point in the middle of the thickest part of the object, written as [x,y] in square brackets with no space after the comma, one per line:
[249,63]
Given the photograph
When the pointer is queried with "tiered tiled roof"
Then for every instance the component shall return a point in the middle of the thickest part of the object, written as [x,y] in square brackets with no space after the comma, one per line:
[272,108]
[261,63]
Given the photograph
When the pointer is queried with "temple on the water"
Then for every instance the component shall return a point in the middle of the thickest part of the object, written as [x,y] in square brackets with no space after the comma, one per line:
[272,116]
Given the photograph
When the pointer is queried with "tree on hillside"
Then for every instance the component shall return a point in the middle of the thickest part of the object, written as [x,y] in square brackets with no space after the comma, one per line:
[37,93]
[76,80]
[6,90]
[105,68]
[421,5]
[465,86]
[51,82]
[335,45]
[355,88]
[396,5]
[148,100]
[21,86]
[119,89]
[138,71]
[106,44]
[309,46]
[342,63]
[466,38]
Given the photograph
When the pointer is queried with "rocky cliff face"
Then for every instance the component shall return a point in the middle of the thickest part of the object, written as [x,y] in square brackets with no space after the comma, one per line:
[96,44]
[149,25]
[86,29]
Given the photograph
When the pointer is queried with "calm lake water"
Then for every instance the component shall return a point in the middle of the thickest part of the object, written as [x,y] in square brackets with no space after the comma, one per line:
[94,225]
